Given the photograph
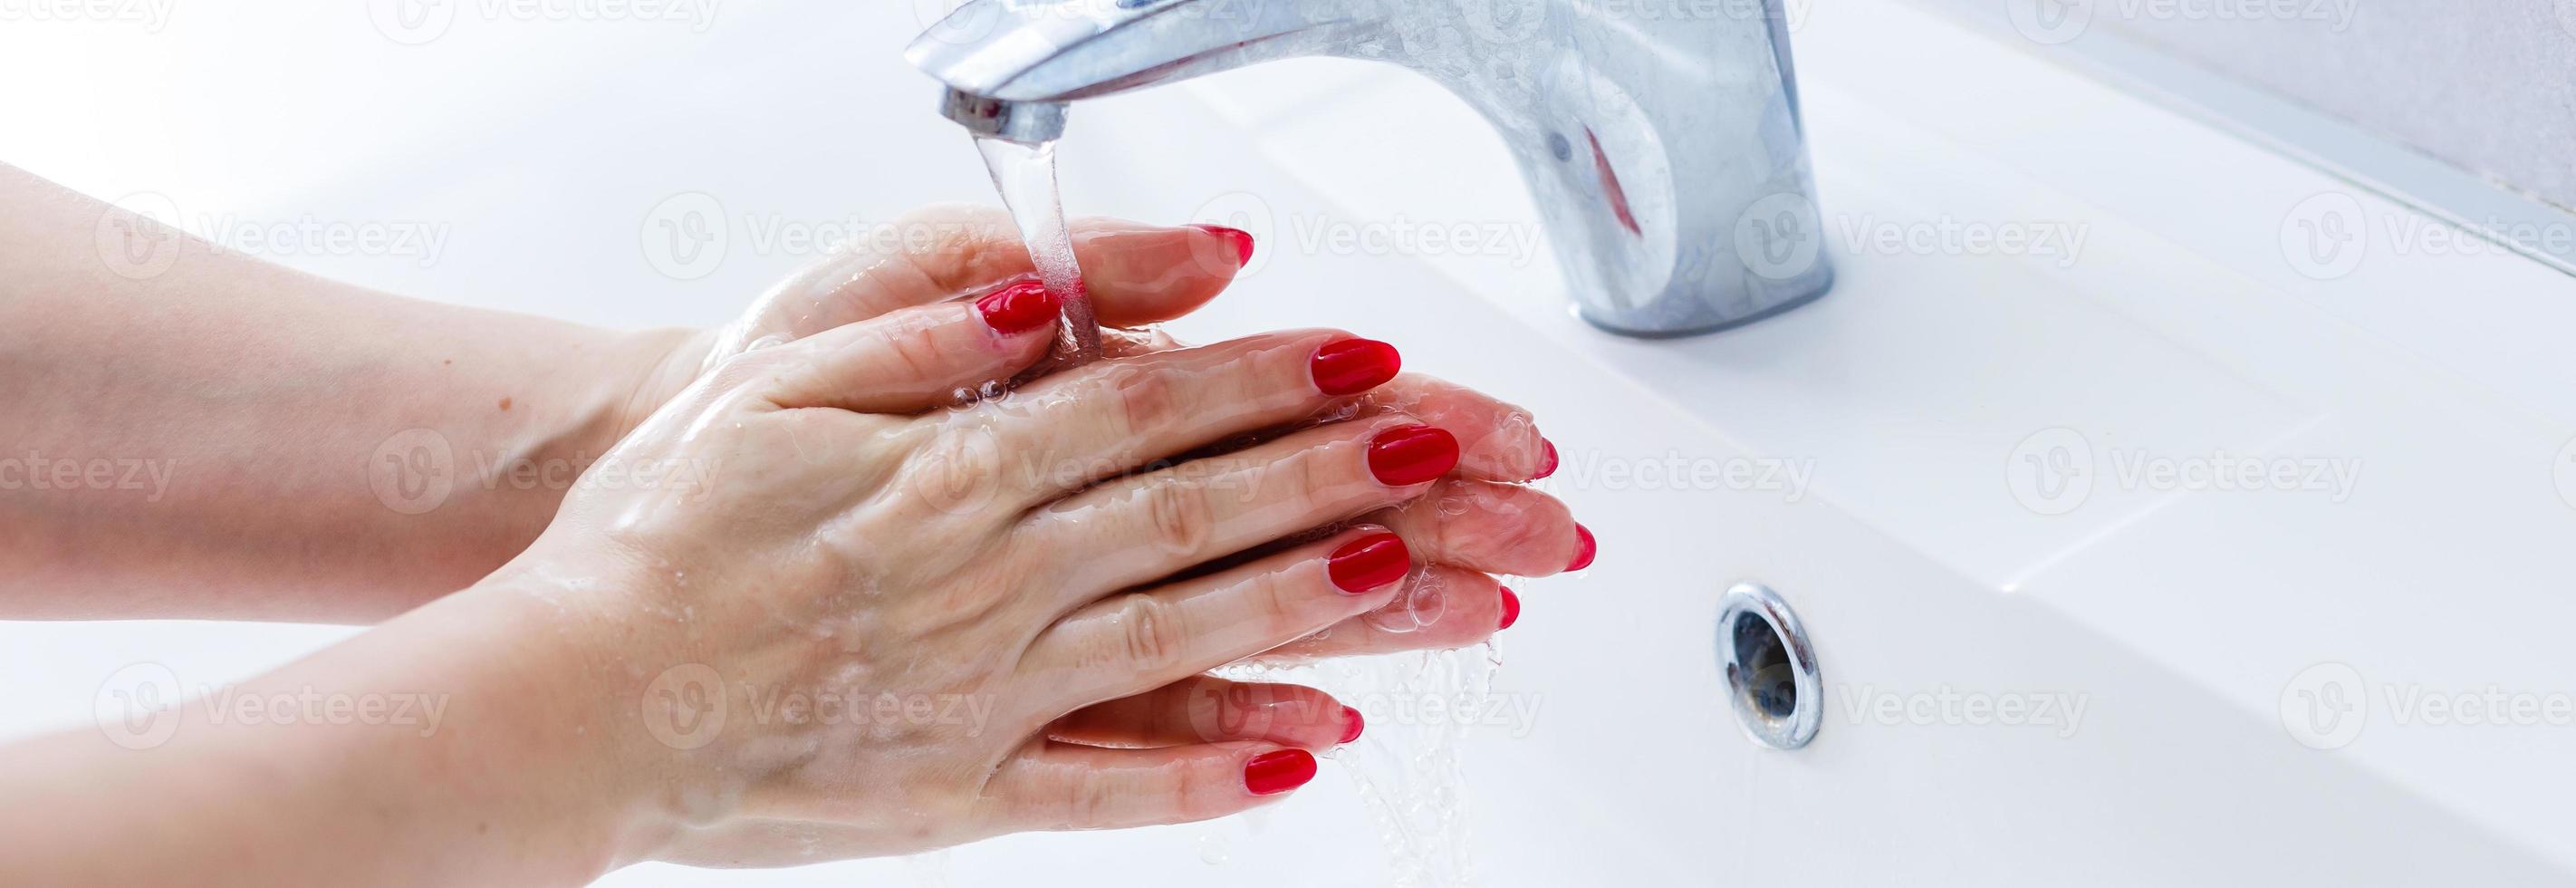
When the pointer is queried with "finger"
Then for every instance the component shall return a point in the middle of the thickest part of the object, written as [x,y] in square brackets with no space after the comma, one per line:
[1440,607]
[1061,786]
[1207,709]
[1159,523]
[1487,526]
[1110,417]
[1498,441]
[918,358]
[1133,642]
[1135,273]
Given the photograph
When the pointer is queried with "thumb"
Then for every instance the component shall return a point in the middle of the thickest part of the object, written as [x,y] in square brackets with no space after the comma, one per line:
[918,358]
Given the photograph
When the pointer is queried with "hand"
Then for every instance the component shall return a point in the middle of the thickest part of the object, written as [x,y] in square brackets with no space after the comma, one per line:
[1048,562]
[1472,526]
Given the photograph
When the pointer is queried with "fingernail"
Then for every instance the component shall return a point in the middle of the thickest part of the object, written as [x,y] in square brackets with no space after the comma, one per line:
[1369,562]
[1018,308]
[1241,239]
[1511,611]
[1546,459]
[1352,366]
[1411,455]
[1351,724]
[1584,548]
[1272,773]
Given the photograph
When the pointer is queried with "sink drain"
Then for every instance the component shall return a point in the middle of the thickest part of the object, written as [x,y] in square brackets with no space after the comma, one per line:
[1770,668]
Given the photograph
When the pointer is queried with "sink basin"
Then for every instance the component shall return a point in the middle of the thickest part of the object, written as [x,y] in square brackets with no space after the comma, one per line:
[1990,470]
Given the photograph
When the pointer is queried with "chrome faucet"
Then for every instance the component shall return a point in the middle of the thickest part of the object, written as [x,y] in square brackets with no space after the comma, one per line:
[1660,138]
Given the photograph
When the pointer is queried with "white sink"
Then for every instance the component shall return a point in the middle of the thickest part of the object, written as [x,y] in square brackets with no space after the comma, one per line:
[1896,450]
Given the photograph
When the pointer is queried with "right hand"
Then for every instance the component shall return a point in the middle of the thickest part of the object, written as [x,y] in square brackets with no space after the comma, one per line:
[1010,574]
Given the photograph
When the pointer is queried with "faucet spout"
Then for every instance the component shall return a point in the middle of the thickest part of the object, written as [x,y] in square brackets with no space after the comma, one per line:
[1662,145]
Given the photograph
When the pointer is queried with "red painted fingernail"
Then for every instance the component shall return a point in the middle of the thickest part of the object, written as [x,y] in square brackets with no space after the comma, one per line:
[1272,773]
[1369,562]
[1019,308]
[1241,239]
[1584,548]
[1546,459]
[1411,455]
[1511,609]
[1352,724]
[1352,366]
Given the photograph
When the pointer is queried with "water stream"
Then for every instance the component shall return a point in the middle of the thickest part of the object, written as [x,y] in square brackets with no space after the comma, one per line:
[1025,175]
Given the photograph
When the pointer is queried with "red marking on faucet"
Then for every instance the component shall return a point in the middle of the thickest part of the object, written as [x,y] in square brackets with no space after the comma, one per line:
[1610,185]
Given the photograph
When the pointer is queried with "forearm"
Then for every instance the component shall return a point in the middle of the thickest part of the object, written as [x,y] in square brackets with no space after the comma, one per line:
[452,746]
[230,438]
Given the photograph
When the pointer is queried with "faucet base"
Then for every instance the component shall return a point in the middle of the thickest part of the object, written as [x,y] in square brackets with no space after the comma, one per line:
[1584,313]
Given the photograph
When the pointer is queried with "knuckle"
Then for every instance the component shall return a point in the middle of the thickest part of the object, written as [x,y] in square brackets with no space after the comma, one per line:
[1276,604]
[1183,520]
[1146,399]
[914,351]
[1151,634]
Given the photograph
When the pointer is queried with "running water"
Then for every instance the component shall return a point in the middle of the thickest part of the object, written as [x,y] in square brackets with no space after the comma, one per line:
[1025,175]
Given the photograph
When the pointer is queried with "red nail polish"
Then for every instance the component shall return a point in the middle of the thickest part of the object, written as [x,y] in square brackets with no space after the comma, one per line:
[1511,609]
[1352,724]
[1368,562]
[1272,773]
[1019,308]
[1352,366]
[1241,239]
[1584,548]
[1411,455]
[1546,459]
